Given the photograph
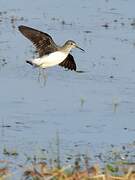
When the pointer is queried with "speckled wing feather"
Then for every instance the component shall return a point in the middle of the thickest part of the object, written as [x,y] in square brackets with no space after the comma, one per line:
[69,63]
[43,41]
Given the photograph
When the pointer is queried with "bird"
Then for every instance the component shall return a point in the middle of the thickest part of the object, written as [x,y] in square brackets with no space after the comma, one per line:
[50,54]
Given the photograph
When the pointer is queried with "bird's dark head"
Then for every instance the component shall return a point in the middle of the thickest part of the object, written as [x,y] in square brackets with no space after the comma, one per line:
[72,44]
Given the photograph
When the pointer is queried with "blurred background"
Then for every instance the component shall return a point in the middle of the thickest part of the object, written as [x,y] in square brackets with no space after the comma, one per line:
[91,111]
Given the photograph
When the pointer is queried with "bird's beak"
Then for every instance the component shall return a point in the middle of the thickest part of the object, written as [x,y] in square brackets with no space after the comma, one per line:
[80,48]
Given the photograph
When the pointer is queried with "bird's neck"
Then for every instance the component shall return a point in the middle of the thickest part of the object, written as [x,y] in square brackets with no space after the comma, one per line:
[65,48]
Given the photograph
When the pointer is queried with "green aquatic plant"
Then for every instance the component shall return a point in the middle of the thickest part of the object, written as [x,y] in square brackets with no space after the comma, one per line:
[58,150]
[112,168]
[82,102]
[12,152]
[115,104]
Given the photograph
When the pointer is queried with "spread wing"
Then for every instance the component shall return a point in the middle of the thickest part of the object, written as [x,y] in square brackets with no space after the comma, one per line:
[43,41]
[69,63]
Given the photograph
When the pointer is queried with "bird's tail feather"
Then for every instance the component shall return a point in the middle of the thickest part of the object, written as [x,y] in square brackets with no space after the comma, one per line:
[29,62]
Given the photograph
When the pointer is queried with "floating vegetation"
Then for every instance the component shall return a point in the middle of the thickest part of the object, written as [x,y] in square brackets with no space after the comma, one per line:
[8,152]
[3,62]
[41,171]
[65,23]
[106,25]
[133,23]
[80,167]
[13,19]
[87,31]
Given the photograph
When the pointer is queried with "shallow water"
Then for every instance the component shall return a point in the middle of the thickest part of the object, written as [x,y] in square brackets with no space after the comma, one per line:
[91,109]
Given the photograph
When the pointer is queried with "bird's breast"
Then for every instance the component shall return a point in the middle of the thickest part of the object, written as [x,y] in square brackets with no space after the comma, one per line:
[57,56]
[52,59]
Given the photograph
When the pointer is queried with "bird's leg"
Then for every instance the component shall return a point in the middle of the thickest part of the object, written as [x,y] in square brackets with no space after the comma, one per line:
[39,74]
[44,76]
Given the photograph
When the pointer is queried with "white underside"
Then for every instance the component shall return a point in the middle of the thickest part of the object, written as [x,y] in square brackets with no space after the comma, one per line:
[50,60]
